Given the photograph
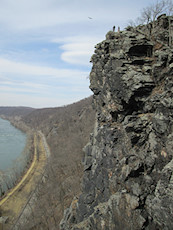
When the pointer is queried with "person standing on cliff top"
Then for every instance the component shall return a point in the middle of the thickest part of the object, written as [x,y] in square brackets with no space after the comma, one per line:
[113,28]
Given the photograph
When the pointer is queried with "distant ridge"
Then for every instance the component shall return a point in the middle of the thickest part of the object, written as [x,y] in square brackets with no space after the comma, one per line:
[15,111]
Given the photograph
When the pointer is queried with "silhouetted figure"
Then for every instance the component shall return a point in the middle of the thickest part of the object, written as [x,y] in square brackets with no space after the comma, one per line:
[113,28]
[118,29]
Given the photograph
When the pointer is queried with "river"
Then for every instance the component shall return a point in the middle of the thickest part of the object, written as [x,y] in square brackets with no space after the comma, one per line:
[12,143]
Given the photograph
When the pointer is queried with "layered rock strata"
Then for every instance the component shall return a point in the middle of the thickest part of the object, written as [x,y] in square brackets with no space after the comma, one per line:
[128,166]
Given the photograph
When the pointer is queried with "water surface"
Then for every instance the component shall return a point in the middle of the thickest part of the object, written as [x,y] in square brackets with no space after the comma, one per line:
[12,143]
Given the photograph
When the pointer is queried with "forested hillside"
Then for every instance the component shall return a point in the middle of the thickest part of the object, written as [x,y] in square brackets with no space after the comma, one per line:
[15,111]
[67,130]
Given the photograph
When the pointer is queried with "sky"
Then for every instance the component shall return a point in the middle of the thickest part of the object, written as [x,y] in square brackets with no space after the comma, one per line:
[46,46]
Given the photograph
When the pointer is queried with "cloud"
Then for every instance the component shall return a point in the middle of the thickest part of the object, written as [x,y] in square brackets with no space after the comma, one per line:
[22,87]
[8,66]
[46,46]
[78,49]
[39,100]
[40,86]
[77,52]
[34,14]
[77,57]
[13,99]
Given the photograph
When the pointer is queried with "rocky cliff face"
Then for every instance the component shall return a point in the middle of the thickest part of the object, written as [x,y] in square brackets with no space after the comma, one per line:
[128,178]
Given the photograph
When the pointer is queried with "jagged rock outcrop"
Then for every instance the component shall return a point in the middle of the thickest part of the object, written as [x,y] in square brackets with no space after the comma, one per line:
[128,178]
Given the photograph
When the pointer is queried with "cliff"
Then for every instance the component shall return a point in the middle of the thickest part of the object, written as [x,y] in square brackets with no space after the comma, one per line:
[128,166]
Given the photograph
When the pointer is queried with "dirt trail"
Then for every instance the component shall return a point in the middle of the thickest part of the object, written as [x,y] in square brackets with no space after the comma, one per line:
[13,203]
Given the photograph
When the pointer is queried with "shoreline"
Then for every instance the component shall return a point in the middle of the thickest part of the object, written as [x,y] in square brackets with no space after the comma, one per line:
[23,178]
[17,171]
[13,204]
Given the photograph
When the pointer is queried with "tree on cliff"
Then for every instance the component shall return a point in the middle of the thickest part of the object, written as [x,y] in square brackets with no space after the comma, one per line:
[150,14]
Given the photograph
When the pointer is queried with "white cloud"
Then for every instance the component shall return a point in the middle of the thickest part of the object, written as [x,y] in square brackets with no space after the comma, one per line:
[77,57]
[77,53]
[79,38]
[8,66]
[22,86]
[29,87]
[13,99]
[36,101]
[37,86]
[24,14]
[28,28]
[78,49]
[31,14]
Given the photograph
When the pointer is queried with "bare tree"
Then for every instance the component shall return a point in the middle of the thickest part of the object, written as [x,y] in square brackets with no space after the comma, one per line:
[146,15]
[150,13]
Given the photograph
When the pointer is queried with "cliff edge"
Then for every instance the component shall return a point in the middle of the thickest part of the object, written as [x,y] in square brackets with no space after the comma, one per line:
[128,166]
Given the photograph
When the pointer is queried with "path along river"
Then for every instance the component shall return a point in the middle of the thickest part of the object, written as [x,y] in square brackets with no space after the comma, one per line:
[17,203]
[12,143]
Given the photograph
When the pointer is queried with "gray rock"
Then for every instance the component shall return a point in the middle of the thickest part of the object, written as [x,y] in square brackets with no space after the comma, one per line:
[4,219]
[128,179]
